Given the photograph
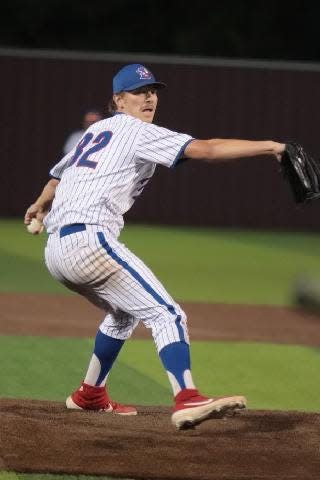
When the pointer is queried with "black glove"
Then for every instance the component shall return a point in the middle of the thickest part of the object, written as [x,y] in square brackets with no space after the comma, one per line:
[302,173]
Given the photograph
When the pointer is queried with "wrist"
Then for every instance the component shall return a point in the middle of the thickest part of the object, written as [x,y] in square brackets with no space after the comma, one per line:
[278,147]
[39,206]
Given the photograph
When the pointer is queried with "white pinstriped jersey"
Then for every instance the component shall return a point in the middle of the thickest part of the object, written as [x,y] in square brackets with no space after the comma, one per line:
[101,177]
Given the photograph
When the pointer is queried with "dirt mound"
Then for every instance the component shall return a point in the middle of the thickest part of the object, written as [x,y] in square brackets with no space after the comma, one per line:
[44,437]
[41,436]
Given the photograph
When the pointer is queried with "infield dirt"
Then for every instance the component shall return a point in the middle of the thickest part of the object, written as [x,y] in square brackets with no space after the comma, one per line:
[72,316]
[42,436]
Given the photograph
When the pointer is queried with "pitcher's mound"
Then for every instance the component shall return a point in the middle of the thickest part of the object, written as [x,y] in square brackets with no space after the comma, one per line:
[41,436]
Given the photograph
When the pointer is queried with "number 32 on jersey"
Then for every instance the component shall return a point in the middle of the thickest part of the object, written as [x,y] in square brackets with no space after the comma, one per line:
[81,157]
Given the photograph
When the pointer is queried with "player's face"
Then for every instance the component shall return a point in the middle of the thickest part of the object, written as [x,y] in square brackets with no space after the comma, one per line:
[140,103]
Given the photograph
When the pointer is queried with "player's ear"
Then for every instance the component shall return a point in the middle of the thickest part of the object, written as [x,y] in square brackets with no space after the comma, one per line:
[118,100]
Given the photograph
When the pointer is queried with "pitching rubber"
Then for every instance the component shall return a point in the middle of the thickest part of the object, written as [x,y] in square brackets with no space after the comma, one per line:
[189,417]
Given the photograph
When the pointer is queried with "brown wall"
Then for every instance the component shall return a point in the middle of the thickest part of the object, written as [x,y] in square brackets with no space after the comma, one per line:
[43,98]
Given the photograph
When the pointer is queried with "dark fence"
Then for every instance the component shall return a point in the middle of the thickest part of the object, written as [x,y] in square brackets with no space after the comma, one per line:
[43,97]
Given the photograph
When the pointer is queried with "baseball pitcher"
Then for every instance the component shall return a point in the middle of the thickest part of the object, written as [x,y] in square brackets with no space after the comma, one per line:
[82,208]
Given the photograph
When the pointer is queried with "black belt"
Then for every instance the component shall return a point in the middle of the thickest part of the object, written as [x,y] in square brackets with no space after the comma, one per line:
[72,228]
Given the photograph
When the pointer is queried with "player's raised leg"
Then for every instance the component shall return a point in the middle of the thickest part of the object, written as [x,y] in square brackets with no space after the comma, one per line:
[136,290]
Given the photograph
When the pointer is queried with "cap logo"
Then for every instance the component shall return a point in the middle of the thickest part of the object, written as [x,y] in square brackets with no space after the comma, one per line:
[143,73]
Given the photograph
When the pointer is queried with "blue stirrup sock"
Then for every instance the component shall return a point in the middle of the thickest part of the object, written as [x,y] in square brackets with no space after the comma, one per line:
[175,358]
[105,352]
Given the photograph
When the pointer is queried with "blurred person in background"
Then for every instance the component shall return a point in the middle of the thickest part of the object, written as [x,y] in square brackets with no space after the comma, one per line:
[89,117]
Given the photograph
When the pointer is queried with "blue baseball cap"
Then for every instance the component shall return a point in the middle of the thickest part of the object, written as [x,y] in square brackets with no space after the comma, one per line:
[134,76]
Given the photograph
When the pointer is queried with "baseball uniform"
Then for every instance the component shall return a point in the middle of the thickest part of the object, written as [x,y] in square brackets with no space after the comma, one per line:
[99,182]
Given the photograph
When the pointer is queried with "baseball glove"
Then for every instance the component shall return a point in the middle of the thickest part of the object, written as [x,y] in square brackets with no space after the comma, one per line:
[301,172]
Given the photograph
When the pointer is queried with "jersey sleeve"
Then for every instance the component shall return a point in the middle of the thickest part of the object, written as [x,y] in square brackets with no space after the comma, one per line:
[161,146]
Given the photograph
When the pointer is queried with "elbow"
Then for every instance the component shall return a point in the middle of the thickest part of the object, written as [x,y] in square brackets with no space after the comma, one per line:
[201,150]
[212,149]
[210,153]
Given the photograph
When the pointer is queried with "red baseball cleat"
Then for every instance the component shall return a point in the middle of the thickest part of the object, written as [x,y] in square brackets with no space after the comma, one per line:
[88,397]
[191,408]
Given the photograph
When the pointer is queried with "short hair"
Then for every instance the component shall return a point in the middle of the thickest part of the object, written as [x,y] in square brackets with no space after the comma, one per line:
[112,106]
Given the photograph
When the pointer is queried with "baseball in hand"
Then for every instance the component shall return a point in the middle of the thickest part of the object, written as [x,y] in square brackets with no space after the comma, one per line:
[35,226]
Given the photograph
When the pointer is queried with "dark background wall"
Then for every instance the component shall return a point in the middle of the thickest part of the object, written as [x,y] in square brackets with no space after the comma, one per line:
[43,99]
[216,28]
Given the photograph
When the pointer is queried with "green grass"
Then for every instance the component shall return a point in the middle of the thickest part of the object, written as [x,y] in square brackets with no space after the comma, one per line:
[28,363]
[271,376]
[204,265]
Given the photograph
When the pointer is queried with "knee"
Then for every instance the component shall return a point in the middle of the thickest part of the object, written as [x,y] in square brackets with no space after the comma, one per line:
[120,327]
